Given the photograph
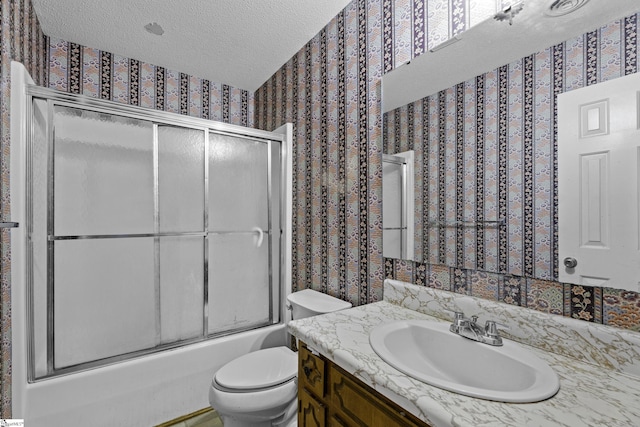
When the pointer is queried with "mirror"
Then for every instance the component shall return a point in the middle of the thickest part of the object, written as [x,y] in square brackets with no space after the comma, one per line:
[484,131]
[491,44]
[398,208]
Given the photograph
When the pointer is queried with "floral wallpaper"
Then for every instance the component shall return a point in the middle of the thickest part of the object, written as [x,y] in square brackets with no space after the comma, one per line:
[83,70]
[330,91]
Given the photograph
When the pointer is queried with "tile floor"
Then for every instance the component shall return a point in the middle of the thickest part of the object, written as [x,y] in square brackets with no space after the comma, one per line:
[208,418]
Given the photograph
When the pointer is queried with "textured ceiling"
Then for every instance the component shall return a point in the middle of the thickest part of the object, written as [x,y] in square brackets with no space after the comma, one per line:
[236,42]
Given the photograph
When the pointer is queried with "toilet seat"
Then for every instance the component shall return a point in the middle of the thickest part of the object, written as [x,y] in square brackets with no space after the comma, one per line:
[258,370]
[265,404]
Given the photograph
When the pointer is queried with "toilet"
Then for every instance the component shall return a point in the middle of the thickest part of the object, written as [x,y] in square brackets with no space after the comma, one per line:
[260,389]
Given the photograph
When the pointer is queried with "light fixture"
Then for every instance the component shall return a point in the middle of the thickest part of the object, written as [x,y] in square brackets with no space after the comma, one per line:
[509,13]
[154,28]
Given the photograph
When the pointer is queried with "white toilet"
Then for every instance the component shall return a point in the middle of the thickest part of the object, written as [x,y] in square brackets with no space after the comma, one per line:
[260,389]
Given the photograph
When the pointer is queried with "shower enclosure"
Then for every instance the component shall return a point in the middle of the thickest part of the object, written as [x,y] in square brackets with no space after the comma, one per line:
[146,231]
[153,248]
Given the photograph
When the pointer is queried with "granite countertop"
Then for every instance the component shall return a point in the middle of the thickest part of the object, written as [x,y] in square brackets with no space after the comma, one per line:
[590,394]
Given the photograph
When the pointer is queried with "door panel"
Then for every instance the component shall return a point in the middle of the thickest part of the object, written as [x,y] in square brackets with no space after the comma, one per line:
[239,233]
[598,156]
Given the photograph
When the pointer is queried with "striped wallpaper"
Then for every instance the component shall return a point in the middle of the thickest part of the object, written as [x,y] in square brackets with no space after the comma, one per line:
[83,70]
[330,90]
[324,91]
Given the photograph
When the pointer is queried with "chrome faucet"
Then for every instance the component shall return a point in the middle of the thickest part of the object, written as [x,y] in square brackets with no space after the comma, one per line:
[470,329]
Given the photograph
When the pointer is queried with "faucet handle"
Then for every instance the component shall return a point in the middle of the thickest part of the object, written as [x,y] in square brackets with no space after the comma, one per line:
[458,321]
[491,335]
[491,328]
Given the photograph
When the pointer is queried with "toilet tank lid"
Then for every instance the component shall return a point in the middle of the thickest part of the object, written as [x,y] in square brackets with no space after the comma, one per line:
[259,369]
[317,301]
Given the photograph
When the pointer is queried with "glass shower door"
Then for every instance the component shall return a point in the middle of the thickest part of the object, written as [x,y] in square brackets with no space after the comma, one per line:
[102,290]
[239,233]
[128,235]
[147,231]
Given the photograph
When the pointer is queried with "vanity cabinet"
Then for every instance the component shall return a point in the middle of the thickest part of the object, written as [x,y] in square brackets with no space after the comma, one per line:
[328,396]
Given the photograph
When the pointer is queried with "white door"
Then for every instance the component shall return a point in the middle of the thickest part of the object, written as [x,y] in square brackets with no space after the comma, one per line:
[598,160]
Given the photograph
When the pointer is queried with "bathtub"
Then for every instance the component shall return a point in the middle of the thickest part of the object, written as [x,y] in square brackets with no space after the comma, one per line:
[141,392]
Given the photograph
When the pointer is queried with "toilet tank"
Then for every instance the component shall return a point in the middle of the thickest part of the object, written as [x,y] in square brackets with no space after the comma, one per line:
[307,303]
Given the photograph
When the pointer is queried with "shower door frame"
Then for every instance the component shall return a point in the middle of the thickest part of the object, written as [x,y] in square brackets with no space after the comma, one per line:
[158,118]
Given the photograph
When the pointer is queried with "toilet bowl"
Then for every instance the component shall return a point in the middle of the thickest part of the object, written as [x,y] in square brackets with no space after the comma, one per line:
[259,389]
[256,389]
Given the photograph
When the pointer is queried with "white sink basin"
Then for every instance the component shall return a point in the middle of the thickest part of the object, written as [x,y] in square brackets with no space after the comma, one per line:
[429,352]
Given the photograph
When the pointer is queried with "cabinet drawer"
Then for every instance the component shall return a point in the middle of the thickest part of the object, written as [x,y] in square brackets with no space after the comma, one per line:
[355,402]
[311,413]
[311,371]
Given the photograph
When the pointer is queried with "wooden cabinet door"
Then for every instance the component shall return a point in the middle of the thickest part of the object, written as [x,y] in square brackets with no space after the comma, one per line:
[360,406]
[311,371]
[311,413]
[330,397]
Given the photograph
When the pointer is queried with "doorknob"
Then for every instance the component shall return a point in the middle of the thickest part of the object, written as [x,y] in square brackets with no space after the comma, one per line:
[570,262]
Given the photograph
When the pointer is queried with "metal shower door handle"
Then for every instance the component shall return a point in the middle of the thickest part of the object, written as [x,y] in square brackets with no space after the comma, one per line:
[260,236]
[570,262]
